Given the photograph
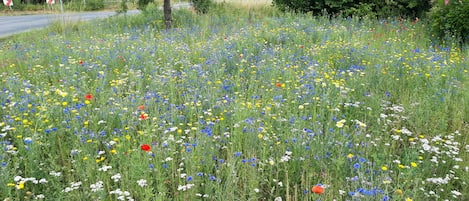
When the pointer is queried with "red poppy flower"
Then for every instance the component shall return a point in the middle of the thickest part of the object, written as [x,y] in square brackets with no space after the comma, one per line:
[89,96]
[141,107]
[278,84]
[145,147]
[143,116]
[317,189]
[80,62]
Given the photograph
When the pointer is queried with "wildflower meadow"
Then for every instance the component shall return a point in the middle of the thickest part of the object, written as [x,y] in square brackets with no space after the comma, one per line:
[251,105]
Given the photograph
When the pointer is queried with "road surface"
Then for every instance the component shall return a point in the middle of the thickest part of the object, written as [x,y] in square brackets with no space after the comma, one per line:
[10,25]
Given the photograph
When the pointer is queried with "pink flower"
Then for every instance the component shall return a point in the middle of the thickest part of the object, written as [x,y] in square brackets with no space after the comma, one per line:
[446,2]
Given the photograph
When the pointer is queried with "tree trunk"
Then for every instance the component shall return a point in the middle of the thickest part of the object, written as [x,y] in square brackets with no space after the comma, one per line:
[167,13]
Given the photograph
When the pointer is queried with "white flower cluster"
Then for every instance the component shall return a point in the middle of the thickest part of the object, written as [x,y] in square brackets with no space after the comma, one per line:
[55,174]
[73,186]
[122,195]
[116,177]
[201,195]
[142,182]
[105,168]
[98,186]
[185,187]
[286,157]
[30,179]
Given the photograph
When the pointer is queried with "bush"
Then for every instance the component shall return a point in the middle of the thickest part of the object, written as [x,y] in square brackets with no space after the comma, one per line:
[202,6]
[450,20]
[361,10]
[379,8]
[142,4]
[94,5]
[123,7]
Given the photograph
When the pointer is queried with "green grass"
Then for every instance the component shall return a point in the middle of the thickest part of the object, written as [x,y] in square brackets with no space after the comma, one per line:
[242,105]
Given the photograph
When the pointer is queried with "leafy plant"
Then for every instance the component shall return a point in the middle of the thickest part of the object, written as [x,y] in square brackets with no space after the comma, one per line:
[94,5]
[409,8]
[449,20]
[202,6]
[123,7]
[142,4]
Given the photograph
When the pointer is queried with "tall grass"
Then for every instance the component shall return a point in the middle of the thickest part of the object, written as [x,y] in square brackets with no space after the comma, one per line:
[233,107]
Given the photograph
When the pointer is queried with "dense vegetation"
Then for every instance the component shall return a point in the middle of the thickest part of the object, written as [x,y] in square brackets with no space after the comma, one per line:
[405,8]
[235,104]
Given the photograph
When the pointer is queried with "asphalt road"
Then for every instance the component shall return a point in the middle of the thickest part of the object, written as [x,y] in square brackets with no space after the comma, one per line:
[10,25]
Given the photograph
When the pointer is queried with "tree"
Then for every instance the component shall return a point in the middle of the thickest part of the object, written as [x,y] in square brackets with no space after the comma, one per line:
[167,13]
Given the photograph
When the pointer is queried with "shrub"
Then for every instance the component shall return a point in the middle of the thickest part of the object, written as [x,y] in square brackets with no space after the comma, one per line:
[202,6]
[143,3]
[380,8]
[361,10]
[94,5]
[449,20]
[123,7]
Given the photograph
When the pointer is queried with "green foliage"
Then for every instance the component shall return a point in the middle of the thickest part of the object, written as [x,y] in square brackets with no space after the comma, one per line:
[380,8]
[65,27]
[75,6]
[202,6]
[87,5]
[92,5]
[143,3]
[17,5]
[451,20]
[123,7]
[152,9]
[361,10]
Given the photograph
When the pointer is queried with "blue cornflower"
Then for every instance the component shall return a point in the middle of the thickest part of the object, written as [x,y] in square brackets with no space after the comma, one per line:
[212,178]
[356,165]
[28,140]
